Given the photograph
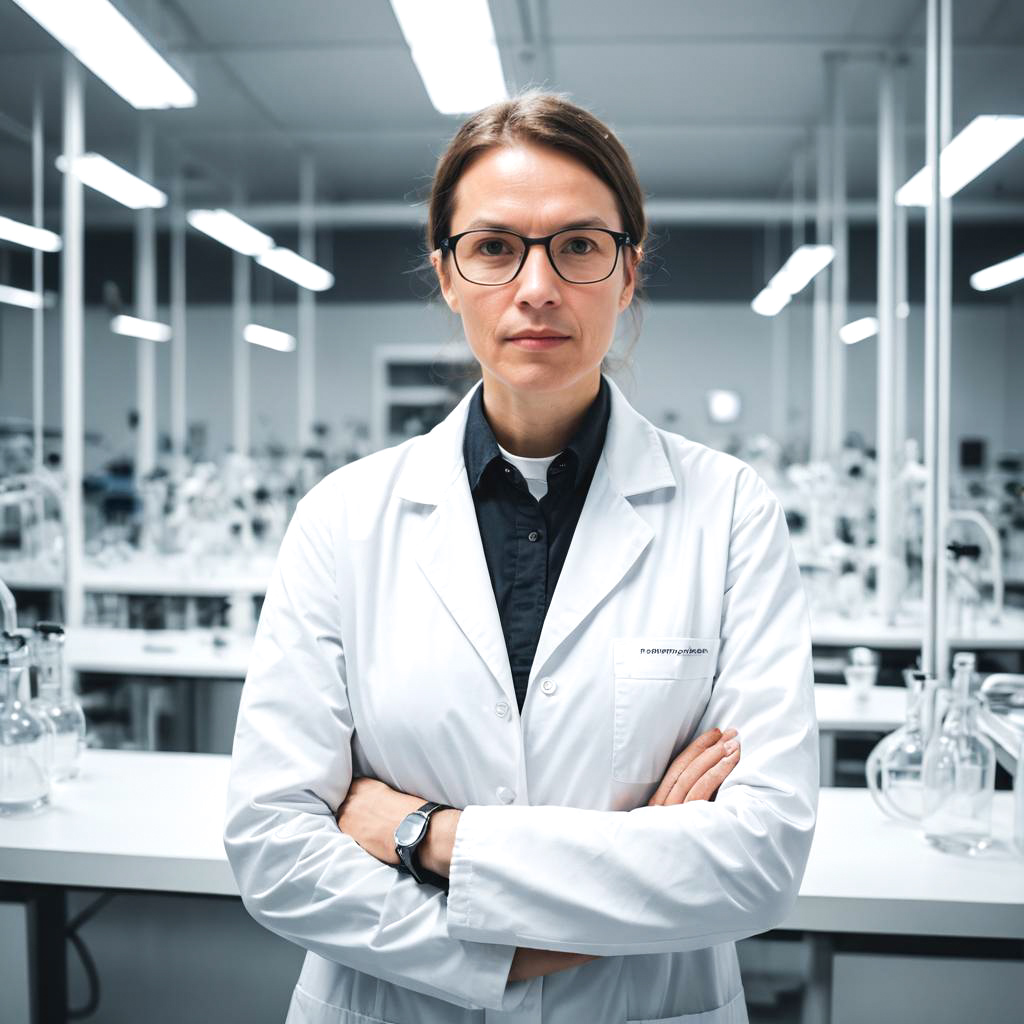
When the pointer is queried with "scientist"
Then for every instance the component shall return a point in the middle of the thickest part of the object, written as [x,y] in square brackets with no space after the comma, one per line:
[485,766]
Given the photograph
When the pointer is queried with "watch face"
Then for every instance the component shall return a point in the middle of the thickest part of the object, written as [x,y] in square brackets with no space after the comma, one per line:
[410,829]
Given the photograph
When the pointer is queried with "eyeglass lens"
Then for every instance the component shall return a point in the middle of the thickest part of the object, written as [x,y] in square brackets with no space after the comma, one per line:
[580,255]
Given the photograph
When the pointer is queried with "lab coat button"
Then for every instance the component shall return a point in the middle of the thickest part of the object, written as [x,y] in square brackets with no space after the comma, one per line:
[501,709]
[533,535]
[549,686]
[505,795]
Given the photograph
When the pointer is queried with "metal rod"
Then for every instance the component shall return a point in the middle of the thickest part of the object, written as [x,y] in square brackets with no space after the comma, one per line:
[72,335]
[944,360]
[179,327]
[886,579]
[306,375]
[902,296]
[37,279]
[241,310]
[837,311]
[145,307]
[820,373]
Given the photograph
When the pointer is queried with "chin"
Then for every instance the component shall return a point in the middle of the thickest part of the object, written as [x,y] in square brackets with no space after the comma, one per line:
[538,373]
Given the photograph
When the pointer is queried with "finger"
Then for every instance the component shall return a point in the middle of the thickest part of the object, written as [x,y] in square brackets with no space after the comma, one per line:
[681,761]
[700,765]
[707,785]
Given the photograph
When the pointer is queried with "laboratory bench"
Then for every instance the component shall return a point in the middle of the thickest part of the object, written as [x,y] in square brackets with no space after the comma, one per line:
[153,821]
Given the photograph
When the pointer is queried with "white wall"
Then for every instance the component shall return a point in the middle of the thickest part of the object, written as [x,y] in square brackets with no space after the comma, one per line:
[684,349]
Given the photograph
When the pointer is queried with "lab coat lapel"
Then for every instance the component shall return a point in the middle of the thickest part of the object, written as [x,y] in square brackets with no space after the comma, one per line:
[611,535]
[451,556]
[449,551]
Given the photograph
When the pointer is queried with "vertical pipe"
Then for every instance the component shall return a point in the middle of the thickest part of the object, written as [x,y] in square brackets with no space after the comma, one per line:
[886,581]
[900,244]
[179,409]
[37,279]
[145,305]
[944,360]
[780,374]
[241,311]
[307,307]
[820,374]
[72,340]
[837,317]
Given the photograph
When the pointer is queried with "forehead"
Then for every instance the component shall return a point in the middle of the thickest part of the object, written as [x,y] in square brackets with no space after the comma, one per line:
[528,186]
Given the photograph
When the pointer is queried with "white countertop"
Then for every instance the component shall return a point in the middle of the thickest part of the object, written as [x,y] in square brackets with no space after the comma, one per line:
[153,821]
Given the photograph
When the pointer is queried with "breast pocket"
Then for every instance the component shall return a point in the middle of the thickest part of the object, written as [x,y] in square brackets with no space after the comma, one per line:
[662,686]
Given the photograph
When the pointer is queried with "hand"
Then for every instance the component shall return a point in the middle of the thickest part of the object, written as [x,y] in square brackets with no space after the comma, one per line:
[371,812]
[699,770]
[532,963]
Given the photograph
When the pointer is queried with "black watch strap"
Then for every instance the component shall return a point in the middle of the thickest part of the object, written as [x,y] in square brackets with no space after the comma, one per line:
[410,862]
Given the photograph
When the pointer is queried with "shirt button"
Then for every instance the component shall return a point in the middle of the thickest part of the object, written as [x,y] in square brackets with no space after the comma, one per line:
[549,686]
[508,469]
[506,795]
[501,709]
[533,535]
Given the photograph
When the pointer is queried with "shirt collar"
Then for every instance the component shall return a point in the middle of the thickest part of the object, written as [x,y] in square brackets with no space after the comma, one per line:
[480,446]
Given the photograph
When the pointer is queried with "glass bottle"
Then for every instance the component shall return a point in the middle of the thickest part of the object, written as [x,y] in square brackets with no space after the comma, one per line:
[26,740]
[959,772]
[894,767]
[57,702]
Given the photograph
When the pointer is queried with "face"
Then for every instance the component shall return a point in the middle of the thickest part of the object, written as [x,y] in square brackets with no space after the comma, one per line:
[535,191]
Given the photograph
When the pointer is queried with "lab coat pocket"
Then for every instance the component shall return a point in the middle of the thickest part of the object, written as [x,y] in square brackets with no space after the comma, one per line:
[307,1009]
[662,684]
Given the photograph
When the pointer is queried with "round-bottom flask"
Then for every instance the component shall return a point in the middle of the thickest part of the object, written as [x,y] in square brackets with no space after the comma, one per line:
[25,739]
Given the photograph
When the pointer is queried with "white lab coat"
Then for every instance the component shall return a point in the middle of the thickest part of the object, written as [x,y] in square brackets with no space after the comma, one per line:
[379,652]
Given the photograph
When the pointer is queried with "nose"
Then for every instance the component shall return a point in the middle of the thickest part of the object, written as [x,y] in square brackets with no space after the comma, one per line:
[537,284]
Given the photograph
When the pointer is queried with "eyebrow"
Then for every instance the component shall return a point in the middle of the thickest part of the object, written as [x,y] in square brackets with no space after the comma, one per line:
[588,222]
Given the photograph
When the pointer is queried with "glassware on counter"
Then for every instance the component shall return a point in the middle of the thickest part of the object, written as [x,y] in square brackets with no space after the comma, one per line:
[26,740]
[56,700]
[959,771]
[894,767]
[862,672]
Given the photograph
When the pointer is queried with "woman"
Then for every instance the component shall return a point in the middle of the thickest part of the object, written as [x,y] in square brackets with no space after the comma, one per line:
[526,616]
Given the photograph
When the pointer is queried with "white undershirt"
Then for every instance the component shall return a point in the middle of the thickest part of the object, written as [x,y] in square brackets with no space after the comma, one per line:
[535,471]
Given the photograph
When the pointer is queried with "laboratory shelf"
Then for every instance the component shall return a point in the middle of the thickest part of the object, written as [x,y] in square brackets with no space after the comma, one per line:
[215,654]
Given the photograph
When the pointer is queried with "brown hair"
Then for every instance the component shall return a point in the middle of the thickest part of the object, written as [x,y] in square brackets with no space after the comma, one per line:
[545,119]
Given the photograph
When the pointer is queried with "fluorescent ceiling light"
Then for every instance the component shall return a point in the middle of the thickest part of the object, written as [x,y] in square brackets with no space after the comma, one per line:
[858,330]
[291,265]
[455,51]
[112,49]
[25,234]
[20,297]
[133,327]
[268,338]
[107,177]
[231,231]
[770,301]
[977,147]
[999,274]
[806,262]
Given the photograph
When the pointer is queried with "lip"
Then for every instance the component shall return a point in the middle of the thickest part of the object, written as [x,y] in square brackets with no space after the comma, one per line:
[537,342]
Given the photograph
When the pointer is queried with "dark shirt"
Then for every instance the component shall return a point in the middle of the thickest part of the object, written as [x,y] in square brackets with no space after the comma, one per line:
[525,541]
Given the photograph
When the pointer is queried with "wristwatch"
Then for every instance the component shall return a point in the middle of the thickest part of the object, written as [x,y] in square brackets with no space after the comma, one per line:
[411,831]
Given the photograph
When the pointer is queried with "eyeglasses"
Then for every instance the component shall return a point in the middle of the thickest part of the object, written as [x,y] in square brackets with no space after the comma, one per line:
[494,256]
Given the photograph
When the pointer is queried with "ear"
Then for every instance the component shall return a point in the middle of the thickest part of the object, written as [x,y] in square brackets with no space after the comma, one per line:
[444,279]
[632,257]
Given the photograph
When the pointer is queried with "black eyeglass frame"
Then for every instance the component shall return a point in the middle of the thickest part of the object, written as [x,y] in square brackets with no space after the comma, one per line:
[447,245]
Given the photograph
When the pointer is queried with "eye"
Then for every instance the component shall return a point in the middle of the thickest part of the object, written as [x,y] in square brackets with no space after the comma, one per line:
[493,247]
[578,246]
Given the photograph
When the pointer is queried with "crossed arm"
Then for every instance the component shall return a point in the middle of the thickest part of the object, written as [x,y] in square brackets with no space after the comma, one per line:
[372,811]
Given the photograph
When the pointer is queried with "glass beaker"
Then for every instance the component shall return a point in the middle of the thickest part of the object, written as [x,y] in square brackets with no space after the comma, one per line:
[894,766]
[56,701]
[26,741]
[959,772]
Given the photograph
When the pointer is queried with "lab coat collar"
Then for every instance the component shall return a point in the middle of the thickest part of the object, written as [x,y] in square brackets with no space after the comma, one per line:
[633,453]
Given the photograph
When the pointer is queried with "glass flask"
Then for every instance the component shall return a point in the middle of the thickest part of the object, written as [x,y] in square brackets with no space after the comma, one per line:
[57,702]
[26,740]
[959,773]
[894,767]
